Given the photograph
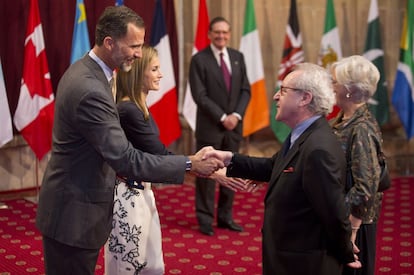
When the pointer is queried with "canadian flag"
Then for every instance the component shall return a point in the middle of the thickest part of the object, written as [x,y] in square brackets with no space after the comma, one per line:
[201,41]
[34,113]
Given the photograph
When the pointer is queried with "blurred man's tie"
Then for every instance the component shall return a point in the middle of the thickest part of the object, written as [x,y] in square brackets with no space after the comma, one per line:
[113,86]
[226,72]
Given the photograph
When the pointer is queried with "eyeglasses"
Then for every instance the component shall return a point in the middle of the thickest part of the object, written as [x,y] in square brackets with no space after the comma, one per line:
[283,89]
[220,32]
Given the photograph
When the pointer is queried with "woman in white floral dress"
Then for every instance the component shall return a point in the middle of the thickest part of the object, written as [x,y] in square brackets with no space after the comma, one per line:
[135,243]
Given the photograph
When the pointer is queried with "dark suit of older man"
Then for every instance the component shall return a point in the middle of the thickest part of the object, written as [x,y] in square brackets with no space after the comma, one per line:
[305,227]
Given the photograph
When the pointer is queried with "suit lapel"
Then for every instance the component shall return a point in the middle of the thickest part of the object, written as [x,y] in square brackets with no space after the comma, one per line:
[94,67]
[282,163]
[97,70]
[100,75]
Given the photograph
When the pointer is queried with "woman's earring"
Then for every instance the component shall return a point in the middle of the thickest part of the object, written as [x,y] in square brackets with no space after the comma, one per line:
[348,95]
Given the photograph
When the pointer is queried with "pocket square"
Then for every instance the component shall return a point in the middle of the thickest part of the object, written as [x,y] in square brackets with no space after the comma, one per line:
[288,170]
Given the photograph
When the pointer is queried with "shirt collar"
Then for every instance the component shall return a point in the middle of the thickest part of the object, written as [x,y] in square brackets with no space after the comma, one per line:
[217,52]
[107,71]
[301,127]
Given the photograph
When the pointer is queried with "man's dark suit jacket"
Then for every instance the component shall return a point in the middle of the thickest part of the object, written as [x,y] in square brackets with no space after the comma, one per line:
[306,229]
[211,96]
[89,147]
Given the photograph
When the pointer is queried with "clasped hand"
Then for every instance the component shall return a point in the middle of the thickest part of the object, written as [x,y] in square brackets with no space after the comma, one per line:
[230,122]
[232,183]
[206,162]
[203,166]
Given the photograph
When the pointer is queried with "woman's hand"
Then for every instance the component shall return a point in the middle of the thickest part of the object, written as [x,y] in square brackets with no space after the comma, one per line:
[235,184]
[252,185]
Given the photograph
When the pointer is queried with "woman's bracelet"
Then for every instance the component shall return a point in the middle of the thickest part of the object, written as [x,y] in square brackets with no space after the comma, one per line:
[355,228]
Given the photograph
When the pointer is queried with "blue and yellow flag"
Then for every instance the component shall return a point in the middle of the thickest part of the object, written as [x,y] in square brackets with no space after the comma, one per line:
[119,2]
[403,94]
[80,40]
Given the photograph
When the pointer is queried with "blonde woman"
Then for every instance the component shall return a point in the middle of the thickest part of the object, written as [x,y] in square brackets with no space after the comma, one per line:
[355,81]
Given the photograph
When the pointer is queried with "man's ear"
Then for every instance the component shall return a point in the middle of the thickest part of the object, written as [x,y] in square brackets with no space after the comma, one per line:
[306,98]
[108,42]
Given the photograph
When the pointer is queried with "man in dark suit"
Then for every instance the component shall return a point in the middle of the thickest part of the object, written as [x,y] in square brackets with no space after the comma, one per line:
[221,90]
[74,213]
[306,229]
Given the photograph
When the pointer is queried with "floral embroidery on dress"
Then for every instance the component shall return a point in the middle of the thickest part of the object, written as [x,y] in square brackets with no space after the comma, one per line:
[128,234]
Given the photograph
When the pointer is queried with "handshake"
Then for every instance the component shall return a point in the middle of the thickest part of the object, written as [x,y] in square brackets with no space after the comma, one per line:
[209,162]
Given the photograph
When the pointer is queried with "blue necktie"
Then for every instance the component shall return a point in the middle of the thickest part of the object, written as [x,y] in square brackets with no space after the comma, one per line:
[286,145]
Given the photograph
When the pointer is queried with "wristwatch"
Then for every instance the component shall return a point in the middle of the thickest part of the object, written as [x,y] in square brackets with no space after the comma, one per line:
[188,165]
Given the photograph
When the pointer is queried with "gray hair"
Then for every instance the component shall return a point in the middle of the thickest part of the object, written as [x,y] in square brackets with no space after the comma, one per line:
[318,82]
[357,74]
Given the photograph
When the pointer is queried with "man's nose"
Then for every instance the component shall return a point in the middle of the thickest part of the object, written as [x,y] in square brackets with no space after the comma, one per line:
[276,96]
[138,53]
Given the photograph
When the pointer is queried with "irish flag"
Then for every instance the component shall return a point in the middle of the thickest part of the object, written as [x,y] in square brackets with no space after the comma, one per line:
[257,113]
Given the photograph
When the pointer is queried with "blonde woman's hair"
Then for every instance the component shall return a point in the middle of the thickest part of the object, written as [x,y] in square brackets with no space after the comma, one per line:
[130,84]
[357,73]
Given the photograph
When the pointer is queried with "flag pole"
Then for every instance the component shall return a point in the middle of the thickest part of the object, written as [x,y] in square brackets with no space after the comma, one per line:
[408,171]
[246,145]
[36,199]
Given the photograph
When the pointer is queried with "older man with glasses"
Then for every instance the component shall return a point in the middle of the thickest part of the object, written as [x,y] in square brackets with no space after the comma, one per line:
[306,229]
